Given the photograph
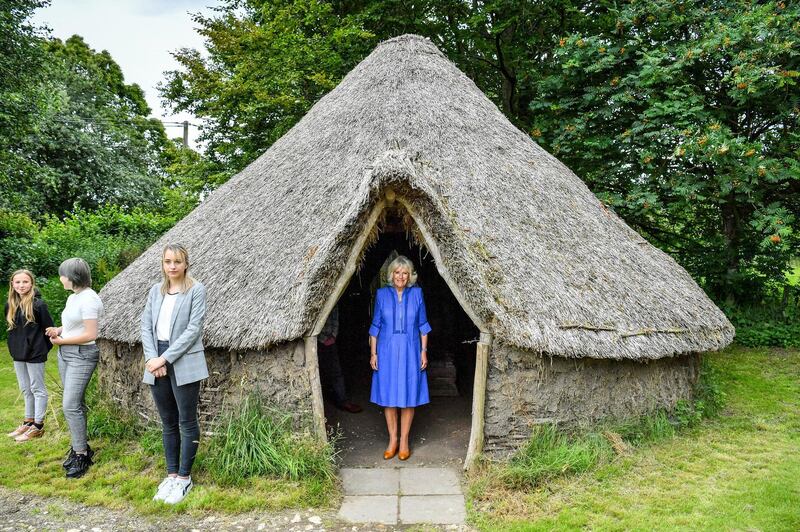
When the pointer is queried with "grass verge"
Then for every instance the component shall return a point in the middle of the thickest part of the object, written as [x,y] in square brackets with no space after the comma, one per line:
[130,464]
[735,471]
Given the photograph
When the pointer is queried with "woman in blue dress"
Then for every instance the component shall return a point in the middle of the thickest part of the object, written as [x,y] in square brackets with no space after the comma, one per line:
[398,340]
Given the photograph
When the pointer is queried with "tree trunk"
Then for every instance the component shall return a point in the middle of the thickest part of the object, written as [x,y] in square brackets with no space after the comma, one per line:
[509,76]
[730,230]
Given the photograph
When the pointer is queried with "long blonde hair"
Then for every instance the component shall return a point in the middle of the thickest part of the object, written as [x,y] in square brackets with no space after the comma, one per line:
[188,280]
[15,301]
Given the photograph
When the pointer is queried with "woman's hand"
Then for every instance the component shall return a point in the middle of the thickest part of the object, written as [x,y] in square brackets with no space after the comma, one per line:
[155,364]
[56,340]
[373,361]
[52,332]
[424,358]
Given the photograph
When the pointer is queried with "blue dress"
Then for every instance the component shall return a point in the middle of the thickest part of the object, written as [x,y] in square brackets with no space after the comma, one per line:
[398,325]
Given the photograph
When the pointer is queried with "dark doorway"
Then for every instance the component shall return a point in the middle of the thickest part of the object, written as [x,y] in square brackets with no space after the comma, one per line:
[441,429]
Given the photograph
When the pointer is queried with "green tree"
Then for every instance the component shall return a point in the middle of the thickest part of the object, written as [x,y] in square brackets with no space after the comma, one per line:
[684,118]
[22,96]
[188,178]
[269,60]
[504,46]
[95,145]
[268,63]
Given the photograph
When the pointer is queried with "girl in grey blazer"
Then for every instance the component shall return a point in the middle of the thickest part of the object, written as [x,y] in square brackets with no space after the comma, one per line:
[175,363]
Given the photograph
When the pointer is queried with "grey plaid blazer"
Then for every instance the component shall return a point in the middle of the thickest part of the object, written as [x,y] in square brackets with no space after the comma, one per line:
[185,351]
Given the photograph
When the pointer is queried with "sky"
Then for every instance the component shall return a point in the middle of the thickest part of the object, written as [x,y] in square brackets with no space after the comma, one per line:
[139,34]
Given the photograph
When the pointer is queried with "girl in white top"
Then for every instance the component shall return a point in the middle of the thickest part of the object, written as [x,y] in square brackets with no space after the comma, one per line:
[79,319]
[77,356]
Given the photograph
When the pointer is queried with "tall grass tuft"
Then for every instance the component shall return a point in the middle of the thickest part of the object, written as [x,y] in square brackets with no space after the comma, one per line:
[259,441]
[550,453]
[646,429]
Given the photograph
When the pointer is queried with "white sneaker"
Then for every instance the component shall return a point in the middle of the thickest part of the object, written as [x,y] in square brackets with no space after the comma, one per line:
[178,490]
[163,489]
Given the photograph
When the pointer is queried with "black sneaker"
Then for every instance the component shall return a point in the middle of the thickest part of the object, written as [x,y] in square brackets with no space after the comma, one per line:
[79,466]
[70,458]
[72,454]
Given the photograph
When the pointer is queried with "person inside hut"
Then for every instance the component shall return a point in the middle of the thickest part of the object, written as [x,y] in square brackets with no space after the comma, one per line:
[398,339]
[175,363]
[329,366]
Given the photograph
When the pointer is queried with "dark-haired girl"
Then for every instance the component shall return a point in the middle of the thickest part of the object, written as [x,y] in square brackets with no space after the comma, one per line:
[77,356]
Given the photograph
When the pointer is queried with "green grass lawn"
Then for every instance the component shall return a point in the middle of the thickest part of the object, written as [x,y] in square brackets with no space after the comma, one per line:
[127,470]
[740,471]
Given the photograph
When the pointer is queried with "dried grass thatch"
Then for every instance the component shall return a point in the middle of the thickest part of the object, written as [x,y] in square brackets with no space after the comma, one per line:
[531,249]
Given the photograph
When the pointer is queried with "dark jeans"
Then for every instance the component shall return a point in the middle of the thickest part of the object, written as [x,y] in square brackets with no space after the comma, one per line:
[331,372]
[177,406]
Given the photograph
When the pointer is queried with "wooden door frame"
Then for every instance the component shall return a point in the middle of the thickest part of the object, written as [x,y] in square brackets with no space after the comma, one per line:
[476,439]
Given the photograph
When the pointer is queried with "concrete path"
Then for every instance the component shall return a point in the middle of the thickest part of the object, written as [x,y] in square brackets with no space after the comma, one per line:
[402,495]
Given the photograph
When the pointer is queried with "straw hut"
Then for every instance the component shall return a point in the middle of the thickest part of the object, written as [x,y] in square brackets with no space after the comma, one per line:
[577,317]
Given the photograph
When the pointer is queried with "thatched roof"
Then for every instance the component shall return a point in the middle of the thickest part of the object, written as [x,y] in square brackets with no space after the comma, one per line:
[532,250]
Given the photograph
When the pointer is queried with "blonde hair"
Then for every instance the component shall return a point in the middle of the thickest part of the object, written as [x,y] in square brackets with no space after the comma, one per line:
[188,280]
[404,262]
[15,301]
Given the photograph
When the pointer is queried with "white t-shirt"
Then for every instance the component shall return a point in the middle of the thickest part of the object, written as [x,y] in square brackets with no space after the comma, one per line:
[165,317]
[85,305]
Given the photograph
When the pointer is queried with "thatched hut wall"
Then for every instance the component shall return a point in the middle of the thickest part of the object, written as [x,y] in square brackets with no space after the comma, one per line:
[278,375]
[524,389]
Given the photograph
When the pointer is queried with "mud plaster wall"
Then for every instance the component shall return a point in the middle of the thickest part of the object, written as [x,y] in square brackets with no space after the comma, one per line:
[524,389]
[278,375]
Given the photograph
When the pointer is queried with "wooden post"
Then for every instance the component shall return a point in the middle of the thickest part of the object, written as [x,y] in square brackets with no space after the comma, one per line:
[317,407]
[479,399]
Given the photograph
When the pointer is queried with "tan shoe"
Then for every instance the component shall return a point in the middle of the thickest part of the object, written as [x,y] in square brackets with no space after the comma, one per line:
[22,429]
[30,434]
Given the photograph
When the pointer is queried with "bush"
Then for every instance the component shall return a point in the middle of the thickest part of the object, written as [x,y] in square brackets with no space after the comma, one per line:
[708,399]
[259,441]
[17,231]
[108,239]
[768,334]
[773,323]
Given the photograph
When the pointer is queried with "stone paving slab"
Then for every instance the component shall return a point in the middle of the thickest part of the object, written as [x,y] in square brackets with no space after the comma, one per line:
[402,496]
[369,509]
[429,481]
[432,509]
[370,481]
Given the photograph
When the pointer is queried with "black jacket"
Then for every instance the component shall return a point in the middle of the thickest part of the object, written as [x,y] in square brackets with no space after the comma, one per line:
[27,342]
